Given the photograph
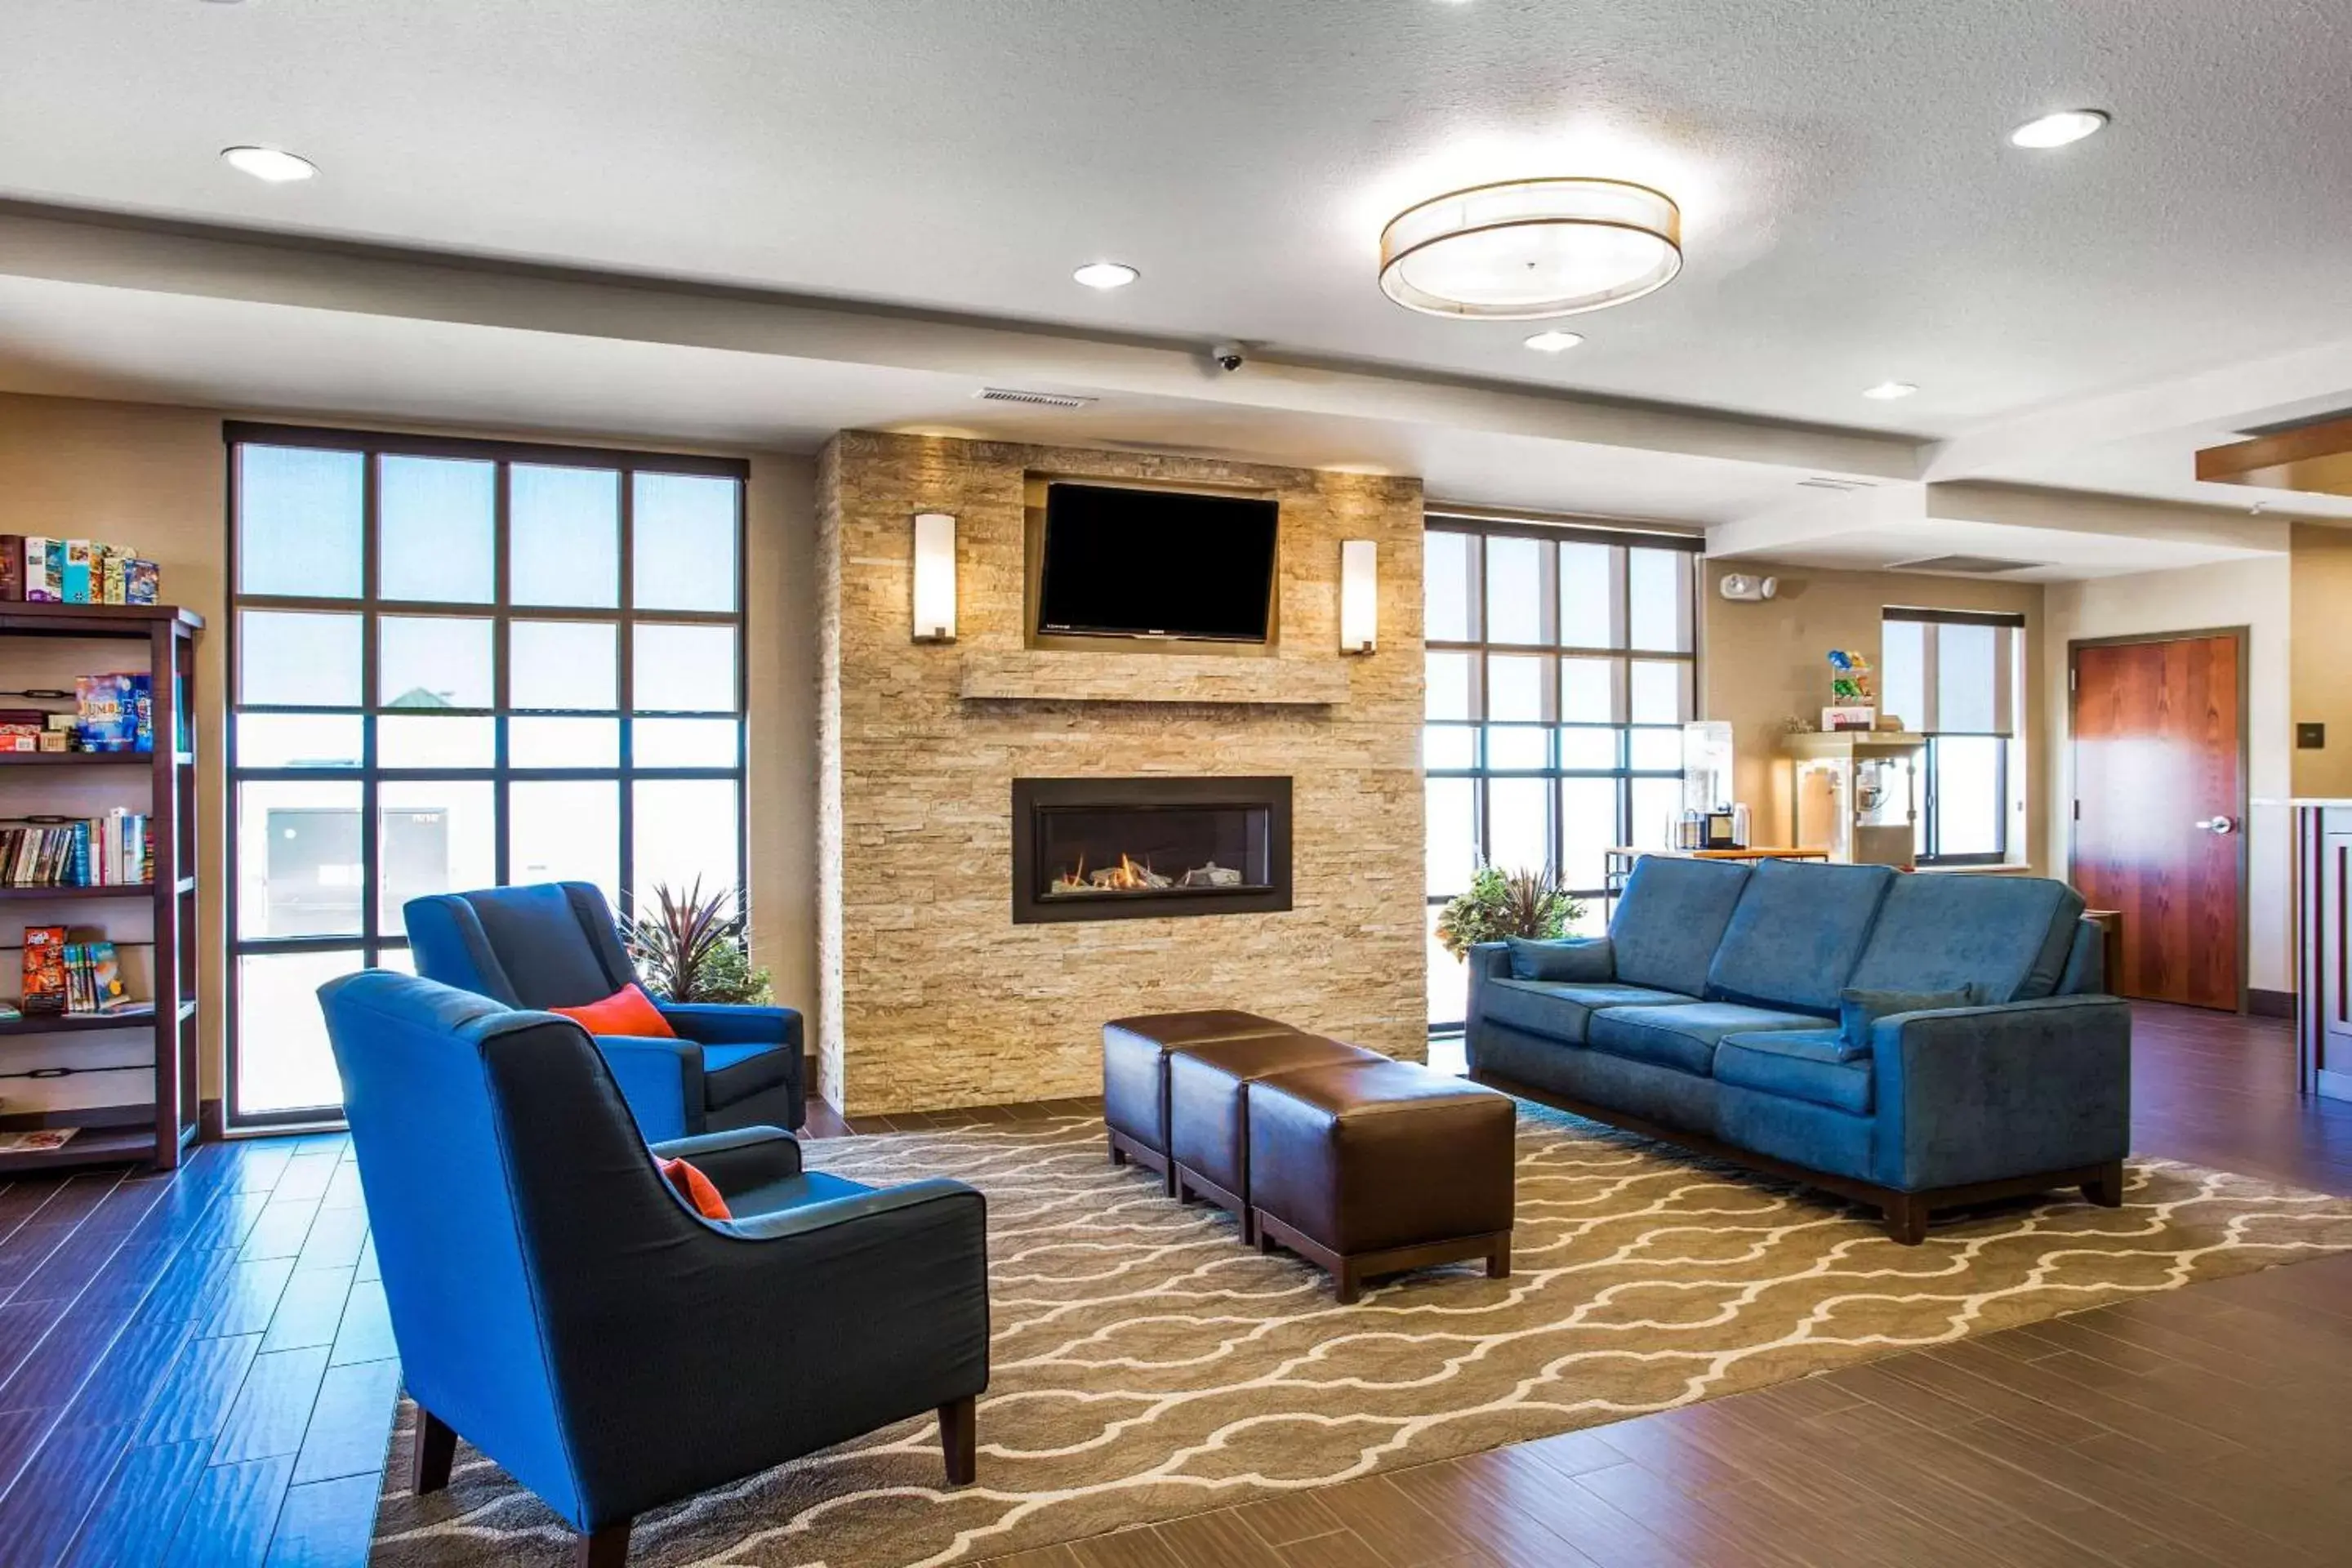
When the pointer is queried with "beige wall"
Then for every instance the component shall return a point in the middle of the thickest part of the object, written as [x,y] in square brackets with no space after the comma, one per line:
[2319,674]
[1764,664]
[2257,594]
[153,476]
[933,996]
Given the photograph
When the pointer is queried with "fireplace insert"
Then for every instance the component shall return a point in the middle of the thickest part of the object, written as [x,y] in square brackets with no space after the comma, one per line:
[1107,849]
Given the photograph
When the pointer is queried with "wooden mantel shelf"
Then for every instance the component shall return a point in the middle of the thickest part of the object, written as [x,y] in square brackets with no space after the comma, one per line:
[1035,676]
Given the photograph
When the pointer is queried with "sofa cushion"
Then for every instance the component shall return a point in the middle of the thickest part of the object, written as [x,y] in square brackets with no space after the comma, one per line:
[1795,937]
[1559,1009]
[1590,958]
[734,1073]
[1859,1010]
[2007,936]
[1670,919]
[1813,1065]
[1683,1034]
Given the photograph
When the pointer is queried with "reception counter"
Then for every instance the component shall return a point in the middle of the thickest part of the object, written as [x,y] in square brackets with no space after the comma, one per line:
[2323,924]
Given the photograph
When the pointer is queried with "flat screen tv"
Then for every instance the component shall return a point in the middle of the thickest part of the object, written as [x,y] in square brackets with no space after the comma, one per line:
[1156,564]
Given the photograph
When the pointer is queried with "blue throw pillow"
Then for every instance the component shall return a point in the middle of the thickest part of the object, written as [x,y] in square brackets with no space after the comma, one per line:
[1588,959]
[1858,1010]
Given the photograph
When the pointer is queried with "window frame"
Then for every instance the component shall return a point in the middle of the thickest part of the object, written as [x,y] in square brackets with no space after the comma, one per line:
[2007,700]
[373,940]
[1479,648]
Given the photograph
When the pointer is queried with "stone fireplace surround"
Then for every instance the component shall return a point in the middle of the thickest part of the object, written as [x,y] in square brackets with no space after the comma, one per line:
[930,995]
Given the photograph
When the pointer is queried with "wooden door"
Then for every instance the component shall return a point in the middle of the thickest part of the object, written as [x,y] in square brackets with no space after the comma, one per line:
[2160,811]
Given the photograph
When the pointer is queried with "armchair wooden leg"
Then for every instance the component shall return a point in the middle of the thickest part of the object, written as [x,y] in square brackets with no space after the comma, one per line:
[959,1441]
[607,1547]
[1907,1218]
[437,1448]
[2106,1189]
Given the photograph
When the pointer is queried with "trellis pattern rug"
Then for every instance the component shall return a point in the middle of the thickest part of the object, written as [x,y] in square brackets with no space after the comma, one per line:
[1145,1366]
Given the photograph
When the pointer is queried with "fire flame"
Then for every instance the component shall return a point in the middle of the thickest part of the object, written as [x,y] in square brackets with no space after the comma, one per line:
[1130,877]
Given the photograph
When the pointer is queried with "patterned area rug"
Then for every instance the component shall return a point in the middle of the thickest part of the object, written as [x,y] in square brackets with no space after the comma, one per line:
[1147,1366]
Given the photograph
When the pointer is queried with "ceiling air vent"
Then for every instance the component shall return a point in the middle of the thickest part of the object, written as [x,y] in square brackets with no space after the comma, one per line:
[1972,565]
[1034,399]
[1824,482]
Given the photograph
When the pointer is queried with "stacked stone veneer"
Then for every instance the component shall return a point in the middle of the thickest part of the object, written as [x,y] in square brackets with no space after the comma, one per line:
[930,996]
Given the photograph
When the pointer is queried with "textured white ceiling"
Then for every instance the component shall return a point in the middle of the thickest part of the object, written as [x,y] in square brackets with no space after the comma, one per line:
[1854,211]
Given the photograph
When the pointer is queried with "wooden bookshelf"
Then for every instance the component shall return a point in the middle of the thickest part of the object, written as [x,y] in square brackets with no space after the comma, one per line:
[159,1128]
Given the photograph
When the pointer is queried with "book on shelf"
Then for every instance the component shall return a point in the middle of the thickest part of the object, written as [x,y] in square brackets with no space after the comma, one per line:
[110,851]
[94,979]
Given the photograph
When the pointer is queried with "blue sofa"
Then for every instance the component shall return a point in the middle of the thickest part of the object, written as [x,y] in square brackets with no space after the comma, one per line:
[561,1308]
[554,944]
[1710,1016]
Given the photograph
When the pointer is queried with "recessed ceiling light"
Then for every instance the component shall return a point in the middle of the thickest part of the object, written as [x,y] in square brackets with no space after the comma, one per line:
[1889,391]
[1554,342]
[1106,275]
[2058,130]
[270,164]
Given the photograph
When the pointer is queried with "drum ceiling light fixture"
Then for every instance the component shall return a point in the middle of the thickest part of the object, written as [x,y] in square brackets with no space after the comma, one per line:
[1523,250]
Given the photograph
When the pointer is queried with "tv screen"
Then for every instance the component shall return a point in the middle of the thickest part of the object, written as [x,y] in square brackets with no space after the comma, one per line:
[1124,562]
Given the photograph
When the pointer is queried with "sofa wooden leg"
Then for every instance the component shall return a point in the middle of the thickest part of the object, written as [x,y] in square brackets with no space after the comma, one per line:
[606,1548]
[437,1448]
[1498,1258]
[2106,1189]
[960,1440]
[1907,1218]
[1346,1286]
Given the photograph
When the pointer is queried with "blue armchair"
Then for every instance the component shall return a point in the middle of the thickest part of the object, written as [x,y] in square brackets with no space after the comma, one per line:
[558,1304]
[555,945]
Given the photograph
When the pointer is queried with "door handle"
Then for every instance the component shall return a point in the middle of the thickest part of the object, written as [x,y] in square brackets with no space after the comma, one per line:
[2216,825]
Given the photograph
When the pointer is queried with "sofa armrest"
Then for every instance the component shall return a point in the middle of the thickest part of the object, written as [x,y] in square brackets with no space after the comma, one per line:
[773,1336]
[1981,1094]
[1486,960]
[661,1080]
[727,1023]
[737,1161]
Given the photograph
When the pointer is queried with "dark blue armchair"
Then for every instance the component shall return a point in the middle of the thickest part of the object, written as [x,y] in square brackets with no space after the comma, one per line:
[559,1305]
[555,945]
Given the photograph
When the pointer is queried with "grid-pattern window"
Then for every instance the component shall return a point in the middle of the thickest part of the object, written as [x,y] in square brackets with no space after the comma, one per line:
[459,663]
[1561,668]
[1951,675]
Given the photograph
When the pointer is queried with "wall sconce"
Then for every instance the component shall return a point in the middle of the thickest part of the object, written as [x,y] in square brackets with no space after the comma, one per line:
[1359,595]
[935,577]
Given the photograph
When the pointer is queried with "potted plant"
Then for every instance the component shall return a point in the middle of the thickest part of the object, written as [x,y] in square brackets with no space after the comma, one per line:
[692,948]
[1500,903]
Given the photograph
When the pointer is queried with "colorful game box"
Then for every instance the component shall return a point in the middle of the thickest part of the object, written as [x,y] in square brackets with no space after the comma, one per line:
[45,971]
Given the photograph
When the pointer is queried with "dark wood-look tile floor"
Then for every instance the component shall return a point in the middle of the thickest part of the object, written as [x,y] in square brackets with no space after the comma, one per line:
[197,1369]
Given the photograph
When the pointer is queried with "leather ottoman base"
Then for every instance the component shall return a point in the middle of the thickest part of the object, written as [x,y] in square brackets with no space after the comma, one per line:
[1208,1108]
[1371,1168]
[1135,1076]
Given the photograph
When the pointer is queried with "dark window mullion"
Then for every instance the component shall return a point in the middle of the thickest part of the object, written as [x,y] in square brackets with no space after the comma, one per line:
[624,646]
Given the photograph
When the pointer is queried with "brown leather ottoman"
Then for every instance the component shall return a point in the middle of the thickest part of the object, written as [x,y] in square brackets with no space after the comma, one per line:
[1135,1076]
[1208,1108]
[1373,1168]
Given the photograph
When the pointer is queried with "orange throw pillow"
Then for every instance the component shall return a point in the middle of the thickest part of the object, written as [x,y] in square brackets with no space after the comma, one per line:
[694,1187]
[628,1011]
